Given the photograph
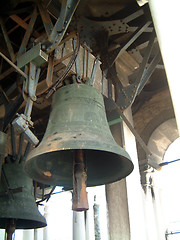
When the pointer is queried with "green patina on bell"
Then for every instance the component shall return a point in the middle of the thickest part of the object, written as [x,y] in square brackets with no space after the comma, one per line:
[21,206]
[78,121]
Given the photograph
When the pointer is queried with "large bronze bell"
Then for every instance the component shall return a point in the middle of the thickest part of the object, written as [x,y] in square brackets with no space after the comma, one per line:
[18,209]
[78,122]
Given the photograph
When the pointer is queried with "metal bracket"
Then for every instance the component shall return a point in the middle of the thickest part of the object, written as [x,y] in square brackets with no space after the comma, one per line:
[68,8]
[22,125]
[23,121]
[34,55]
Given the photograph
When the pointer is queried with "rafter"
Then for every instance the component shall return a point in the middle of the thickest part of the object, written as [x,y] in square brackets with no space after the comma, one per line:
[23,23]
[28,32]
[16,26]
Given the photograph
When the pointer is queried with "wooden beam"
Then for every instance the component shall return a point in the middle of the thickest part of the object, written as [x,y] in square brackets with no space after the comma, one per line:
[45,18]
[28,32]
[6,73]
[23,24]
[15,27]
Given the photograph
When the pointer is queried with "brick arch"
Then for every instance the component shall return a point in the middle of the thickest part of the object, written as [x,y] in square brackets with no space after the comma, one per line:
[161,138]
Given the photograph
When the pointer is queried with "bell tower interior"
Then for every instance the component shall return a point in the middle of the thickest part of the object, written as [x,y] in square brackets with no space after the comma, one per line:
[89,112]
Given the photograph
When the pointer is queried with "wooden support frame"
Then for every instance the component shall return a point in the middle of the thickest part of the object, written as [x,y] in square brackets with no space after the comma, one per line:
[28,32]
[23,24]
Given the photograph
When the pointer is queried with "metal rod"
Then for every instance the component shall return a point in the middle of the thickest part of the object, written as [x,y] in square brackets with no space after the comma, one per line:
[146,57]
[133,16]
[109,88]
[103,82]
[20,146]
[80,201]
[77,66]
[49,76]
[13,142]
[84,61]
[87,62]
[49,195]
[32,77]
[66,71]
[13,65]
[104,74]
[27,151]
[28,109]
[93,73]
[147,74]
[37,78]
[143,66]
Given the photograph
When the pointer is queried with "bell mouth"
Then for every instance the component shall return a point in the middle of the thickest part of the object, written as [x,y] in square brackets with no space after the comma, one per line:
[24,223]
[56,168]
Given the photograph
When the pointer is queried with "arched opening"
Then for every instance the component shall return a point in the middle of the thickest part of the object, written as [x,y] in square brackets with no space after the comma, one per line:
[165,146]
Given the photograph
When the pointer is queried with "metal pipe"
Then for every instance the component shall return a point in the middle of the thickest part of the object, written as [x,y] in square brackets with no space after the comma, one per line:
[168,38]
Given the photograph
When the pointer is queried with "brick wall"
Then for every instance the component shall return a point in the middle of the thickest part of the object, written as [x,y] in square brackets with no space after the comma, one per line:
[150,115]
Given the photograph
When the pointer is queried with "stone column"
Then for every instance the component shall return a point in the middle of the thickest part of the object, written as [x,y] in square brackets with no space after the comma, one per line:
[78,226]
[117,205]
[28,234]
[134,189]
[166,17]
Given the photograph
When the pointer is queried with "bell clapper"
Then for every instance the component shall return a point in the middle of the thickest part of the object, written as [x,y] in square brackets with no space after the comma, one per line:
[10,229]
[80,201]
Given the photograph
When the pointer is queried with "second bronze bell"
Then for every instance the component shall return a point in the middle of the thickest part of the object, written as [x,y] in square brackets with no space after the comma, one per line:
[78,122]
[18,209]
